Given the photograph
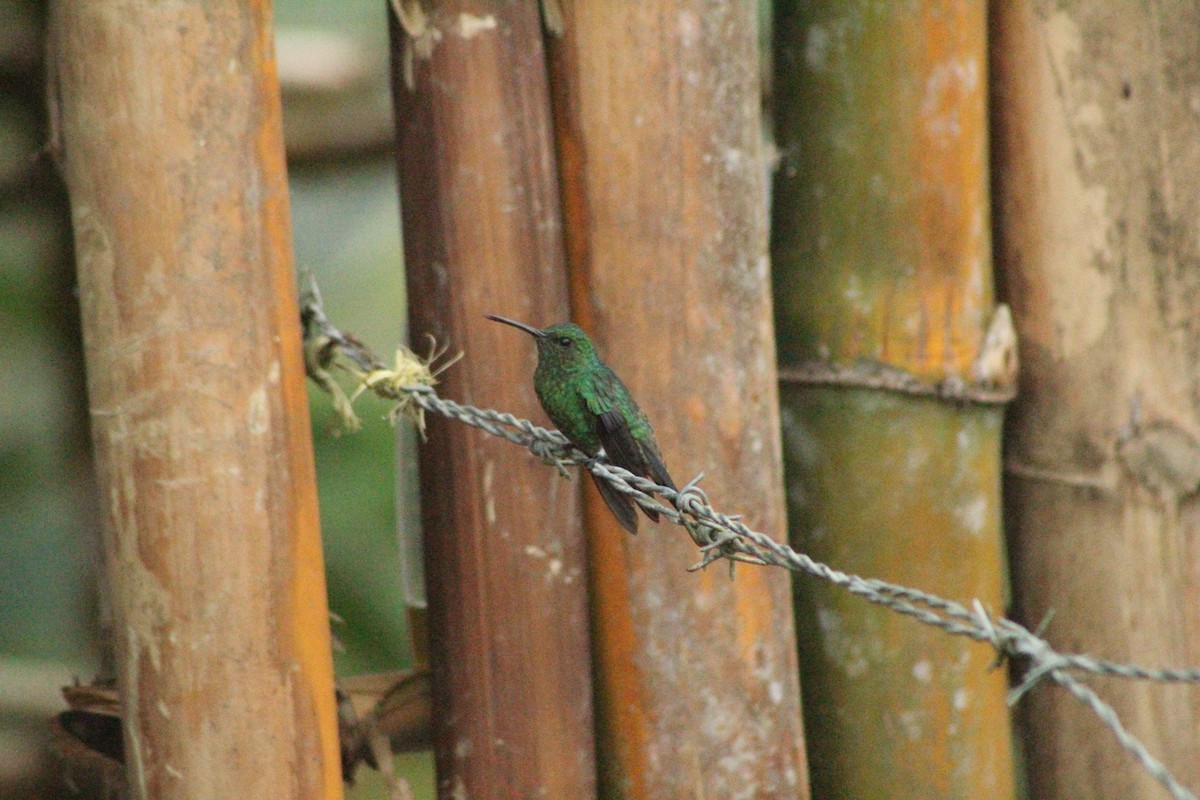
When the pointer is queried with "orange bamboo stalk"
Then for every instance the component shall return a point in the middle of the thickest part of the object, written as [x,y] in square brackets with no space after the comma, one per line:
[657,106]
[504,550]
[168,134]
[1096,205]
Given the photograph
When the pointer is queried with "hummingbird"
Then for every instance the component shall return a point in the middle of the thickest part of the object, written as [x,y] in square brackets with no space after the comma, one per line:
[588,403]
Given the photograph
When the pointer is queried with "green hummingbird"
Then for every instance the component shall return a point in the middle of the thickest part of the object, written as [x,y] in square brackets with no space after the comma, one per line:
[593,409]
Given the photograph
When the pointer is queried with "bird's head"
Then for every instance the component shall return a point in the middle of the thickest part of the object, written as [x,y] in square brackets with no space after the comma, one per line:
[564,346]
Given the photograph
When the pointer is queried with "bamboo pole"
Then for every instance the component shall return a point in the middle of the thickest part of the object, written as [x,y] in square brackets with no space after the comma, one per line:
[881,253]
[168,134]
[504,550]
[1095,148]
[658,124]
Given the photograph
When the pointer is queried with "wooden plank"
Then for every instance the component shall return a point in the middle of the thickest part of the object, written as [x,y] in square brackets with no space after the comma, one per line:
[168,134]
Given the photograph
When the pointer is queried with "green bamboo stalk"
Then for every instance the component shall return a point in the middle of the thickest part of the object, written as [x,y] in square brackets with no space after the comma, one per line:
[881,254]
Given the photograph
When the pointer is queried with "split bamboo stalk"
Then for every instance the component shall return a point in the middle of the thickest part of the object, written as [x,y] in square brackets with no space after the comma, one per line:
[658,125]
[504,549]
[168,134]
[1097,145]
[880,243]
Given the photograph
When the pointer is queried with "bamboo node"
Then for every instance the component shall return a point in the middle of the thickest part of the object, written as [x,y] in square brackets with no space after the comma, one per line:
[993,371]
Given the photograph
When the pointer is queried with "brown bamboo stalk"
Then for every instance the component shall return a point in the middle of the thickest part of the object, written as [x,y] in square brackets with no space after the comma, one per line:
[504,549]
[168,135]
[1095,142]
[657,107]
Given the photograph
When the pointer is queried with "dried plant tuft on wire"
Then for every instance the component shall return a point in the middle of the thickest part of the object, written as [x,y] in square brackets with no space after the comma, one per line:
[326,348]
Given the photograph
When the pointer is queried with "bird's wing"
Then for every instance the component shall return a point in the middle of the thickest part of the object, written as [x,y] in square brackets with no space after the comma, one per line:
[618,447]
[636,453]
[655,465]
[618,440]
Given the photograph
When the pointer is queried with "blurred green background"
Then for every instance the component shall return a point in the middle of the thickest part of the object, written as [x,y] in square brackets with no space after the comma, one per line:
[338,126]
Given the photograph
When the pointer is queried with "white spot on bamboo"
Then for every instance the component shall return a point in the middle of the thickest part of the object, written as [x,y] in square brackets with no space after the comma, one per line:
[912,725]
[257,414]
[489,496]
[468,26]
[846,650]
[972,514]
[816,48]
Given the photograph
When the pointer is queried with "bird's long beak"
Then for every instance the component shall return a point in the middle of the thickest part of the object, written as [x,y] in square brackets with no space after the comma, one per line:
[532,331]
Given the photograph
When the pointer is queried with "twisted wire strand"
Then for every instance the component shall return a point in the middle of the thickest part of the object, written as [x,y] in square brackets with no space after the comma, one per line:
[1109,717]
[721,536]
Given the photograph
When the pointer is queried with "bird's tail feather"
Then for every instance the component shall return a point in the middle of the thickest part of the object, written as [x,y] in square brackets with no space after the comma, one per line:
[620,505]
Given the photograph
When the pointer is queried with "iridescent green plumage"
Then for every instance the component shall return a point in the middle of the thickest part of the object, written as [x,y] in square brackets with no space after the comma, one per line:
[593,409]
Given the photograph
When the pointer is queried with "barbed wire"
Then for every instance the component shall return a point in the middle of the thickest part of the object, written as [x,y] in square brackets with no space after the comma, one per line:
[410,381]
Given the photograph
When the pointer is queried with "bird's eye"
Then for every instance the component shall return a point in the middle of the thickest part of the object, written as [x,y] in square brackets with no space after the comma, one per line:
[565,341]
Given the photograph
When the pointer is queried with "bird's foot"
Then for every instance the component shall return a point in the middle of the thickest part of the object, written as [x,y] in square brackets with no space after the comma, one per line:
[551,454]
